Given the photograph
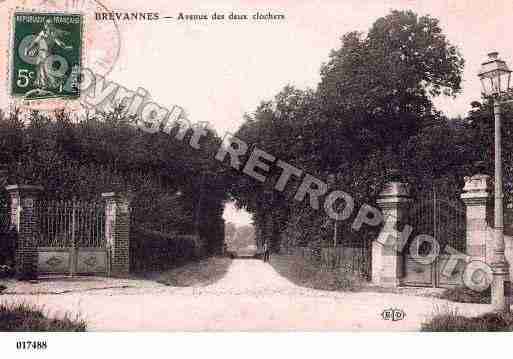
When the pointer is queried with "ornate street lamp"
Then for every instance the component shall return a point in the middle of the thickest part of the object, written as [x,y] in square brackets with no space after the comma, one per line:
[495,78]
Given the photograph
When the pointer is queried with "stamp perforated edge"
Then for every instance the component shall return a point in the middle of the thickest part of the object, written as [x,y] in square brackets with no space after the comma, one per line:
[19,99]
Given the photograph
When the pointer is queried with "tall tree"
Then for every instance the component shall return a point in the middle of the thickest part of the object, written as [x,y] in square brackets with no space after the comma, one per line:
[381,85]
[373,101]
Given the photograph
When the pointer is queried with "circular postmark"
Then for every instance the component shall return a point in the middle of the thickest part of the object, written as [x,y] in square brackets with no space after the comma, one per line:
[51,43]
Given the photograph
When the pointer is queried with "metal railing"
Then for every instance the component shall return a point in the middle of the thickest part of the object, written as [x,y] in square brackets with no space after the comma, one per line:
[70,224]
[442,217]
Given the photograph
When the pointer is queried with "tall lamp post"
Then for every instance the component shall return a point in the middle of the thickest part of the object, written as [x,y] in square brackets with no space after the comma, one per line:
[495,78]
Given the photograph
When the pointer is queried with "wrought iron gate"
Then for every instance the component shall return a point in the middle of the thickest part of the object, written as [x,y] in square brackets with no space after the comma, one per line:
[71,238]
[443,217]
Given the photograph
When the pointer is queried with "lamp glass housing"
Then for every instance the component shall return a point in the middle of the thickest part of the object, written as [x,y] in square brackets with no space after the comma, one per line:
[495,76]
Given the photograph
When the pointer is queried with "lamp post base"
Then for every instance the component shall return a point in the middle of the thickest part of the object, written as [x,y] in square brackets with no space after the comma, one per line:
[500,289]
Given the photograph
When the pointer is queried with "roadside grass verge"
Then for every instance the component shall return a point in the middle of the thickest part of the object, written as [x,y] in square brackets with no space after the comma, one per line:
[448,319]
[311,275]
[466,295]
[198,273]
[23,317]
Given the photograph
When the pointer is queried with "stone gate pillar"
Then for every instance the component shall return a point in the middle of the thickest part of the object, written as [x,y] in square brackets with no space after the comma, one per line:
[117,232]
[477,196]
[387,259]
[24,219]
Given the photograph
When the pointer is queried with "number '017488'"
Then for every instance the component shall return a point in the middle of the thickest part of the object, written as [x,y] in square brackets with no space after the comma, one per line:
[31,345]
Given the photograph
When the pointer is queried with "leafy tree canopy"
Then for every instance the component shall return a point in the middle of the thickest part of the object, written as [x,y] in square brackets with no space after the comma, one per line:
[371,114]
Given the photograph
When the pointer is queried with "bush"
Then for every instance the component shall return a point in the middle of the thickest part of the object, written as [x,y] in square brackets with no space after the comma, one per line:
[452,321]
[24,317]
[155,251]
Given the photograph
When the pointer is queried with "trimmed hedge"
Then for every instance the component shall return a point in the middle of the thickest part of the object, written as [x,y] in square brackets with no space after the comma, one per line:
[154,251]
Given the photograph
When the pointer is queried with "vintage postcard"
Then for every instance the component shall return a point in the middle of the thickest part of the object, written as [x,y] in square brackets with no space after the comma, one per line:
[261,166]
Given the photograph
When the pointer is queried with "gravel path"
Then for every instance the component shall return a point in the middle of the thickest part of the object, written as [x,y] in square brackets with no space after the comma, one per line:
[250,296]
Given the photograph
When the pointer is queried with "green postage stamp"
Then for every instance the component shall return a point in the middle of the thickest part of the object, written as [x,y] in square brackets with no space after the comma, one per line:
[46,55]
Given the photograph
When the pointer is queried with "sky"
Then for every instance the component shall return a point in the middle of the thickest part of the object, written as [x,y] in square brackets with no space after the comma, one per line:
[236,216]
[219,71]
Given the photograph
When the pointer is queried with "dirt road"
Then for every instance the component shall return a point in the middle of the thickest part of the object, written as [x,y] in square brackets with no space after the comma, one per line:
[250,296]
